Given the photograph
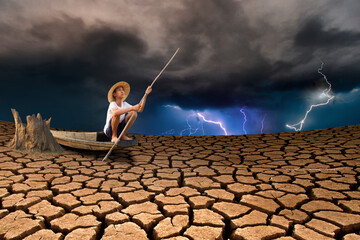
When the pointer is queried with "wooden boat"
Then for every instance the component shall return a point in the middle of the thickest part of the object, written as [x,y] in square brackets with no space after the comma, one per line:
[89,140]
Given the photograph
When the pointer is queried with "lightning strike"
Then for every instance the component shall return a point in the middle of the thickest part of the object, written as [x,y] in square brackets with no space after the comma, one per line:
[190,129]
[245,120]
[325,93]
[209,121]
[262,124]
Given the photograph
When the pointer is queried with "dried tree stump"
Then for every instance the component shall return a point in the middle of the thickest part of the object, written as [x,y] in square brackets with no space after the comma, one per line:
[35,136]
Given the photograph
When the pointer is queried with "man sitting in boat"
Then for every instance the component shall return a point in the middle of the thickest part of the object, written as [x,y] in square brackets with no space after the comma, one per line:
[119,111]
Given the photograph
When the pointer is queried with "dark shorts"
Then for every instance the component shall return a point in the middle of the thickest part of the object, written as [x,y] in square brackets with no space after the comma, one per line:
[121,126]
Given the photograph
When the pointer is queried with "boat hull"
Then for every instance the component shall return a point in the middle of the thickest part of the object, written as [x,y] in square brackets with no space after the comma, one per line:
[96,141]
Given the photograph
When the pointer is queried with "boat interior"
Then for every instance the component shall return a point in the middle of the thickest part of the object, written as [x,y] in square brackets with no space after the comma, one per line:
[88,136]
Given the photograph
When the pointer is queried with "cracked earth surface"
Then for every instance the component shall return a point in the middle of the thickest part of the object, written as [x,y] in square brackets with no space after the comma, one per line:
[299,185]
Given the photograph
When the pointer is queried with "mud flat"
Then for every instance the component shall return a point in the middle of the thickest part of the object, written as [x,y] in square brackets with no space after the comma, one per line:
[299,185]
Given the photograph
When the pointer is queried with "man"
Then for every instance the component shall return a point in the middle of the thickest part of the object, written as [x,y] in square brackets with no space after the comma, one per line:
[119,112]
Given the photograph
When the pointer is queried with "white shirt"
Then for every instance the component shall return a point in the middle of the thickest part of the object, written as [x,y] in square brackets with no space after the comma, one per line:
[109,115]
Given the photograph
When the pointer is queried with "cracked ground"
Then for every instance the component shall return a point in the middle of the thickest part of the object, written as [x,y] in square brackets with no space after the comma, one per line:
[298,185]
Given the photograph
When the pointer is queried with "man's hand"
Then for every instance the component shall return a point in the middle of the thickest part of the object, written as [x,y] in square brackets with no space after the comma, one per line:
[136,108]
[148,90]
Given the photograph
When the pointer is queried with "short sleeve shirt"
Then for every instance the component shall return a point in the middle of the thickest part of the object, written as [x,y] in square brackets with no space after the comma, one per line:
[109,115]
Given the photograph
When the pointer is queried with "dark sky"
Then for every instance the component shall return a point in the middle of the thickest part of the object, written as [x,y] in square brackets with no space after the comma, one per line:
[251,65]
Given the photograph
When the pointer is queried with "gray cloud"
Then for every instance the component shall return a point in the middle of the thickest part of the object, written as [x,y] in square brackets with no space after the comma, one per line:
[232,52]
[312,34]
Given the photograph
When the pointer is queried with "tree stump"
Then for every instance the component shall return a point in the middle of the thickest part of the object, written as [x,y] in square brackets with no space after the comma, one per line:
[35,137]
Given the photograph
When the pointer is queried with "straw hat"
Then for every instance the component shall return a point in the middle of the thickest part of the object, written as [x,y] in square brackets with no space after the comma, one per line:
[123,84]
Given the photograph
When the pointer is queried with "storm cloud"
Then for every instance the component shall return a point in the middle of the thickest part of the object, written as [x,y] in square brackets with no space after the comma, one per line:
[233,53]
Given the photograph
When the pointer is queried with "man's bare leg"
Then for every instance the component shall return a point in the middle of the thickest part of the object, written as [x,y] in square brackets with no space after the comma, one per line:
[127,118]
[114,125]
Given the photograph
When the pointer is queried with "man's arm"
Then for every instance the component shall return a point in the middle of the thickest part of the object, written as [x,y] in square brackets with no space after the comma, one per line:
[143,104]
[148,90]
[119,112]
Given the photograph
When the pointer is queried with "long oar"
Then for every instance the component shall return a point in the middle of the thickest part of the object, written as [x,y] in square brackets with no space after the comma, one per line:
[122,132]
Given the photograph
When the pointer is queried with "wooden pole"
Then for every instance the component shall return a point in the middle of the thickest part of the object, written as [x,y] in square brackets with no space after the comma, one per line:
[122,132]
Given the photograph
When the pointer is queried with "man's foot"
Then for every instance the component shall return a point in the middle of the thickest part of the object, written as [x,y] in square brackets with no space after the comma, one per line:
[124,137]
[114,139]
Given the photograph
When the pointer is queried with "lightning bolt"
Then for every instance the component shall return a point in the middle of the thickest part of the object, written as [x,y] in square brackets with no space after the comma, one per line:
[262,124]
[200,117]
[324,93]
[200,123]
[209,121]
[245,120]
[190,128]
